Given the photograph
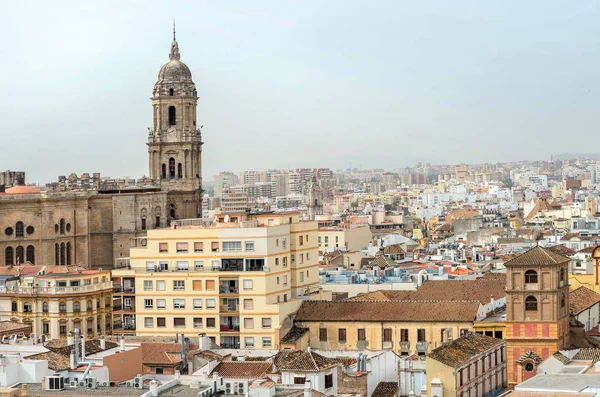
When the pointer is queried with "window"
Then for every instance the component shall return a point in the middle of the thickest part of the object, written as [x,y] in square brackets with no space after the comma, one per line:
[328,381]
[197,303]
[232,246]
[301,240]
[210,285]
[160,285]
[387,335]
[62,307]
[183,265]
[562,275]
[285,280]
[143,223]
[214,246]
[277,242]
[178,285]
[179,322]
[45,307]
[301,276]
[14,306]
[216,264]
[172,115]
[161,304]
[30,253]
[20,254]
[28,308]
[46,328]
[198,266]
[157,222]
[178,303]
[299,380]
[182,247]
[362,334]
[148,322]
[301,259]
[63,328]
[161,322]
[562,300]
[164,266]
[62,226]
[210,322]
[248,323]
[531,277]
[292,258]
[421,335]
[9,231]
[307,256]
[266,323]
[284,243]
[404,335]
[266,341]
[179,175]
[163,247]
[171,92]
[158,371]
[284,261]
[19,229]
[198,246]
[248,284]
[210,303]
[323,334]
[342,335]
[147,285]
[76,306]
[249,341]
[90,306]
[148,303]
[531,304]
[8,256]
[248,304]
[276,261]
[197,285]
[249,245]
[197,322]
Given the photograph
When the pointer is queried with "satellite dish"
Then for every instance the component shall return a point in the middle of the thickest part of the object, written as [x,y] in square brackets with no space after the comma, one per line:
[226,219]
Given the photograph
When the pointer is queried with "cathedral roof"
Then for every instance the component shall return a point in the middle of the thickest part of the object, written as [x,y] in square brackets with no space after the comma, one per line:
[22,190]
[174,71]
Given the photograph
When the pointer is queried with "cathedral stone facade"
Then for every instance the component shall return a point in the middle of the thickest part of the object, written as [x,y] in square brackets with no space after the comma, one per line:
[92,222]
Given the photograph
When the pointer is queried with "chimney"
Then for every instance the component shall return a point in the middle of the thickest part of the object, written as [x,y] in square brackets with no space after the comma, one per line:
[176,338]
[154,388]
[76,344]
[307,389]
[82,346]
[69,340]
[215,382]
[122,342]
[102,343]
[72,363]
[203,342]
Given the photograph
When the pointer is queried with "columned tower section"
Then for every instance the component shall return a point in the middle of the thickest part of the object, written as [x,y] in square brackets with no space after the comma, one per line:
[175,141]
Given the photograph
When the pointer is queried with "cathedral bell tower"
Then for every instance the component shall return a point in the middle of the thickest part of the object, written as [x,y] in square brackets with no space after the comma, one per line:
[174,140]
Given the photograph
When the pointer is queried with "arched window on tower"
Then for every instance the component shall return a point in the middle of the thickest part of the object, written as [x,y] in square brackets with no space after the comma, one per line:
[531,304]
[562,300]
[30,254]
[69,253]
[179,170]
[62,226]
[19,227]
[172,115]
[19,253]
[62,254]
[9,256]
[531,277]
[56,254]
[171,92]
[164,171]
[171,167]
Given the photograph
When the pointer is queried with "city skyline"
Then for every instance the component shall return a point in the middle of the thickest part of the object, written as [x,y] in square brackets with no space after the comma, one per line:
[487,83]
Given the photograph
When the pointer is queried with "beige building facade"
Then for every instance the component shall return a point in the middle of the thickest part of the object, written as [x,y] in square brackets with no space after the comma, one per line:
[57,300]
[238,278]
[349,238]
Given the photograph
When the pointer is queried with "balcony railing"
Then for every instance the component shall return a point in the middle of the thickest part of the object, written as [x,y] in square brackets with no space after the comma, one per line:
[405,345]
[229,308]
[226,289]
[117,288]
[19,290]
[422,346]
[230,328]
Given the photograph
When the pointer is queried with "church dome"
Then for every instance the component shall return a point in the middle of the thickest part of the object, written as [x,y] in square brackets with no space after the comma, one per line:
[174,71]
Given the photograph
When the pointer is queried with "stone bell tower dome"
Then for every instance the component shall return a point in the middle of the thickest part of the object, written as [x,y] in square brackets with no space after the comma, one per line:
[174,140]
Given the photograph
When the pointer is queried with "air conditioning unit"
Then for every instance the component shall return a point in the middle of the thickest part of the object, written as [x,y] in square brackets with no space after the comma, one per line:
[241,388]
[228,388]
[91,383]
[73,383]
[55,382]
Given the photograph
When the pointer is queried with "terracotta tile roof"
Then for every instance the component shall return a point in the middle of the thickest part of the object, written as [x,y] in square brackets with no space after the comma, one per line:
[294,334]
[588,354]
[381,262]
[537,256]
[561,250]
[92,346]
[207,355]
[494,276]
[242,369]
[543,205]
[405,311]
[300,360]
[386,389]
[587,250]
[461,214]
[582,298]
[345,361]
[161,353]
[561,357]
[11,326]
[530,355]
[56,361]
[393,249]
[463,349]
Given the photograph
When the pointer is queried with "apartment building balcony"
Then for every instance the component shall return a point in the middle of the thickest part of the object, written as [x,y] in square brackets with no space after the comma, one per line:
[229,305]
[119,289]
[124,308]
[230,324]
[422,347]
[404,346]
[229,287]
[230,342]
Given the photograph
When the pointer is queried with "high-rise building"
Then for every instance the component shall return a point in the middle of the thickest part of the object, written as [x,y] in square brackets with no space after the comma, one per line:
[236,278]
[224,180]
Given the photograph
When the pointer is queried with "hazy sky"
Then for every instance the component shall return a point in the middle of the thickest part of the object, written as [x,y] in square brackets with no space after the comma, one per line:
[300,83]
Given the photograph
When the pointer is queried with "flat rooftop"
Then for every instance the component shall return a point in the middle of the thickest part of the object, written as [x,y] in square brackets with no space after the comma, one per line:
[117,391]
[561,382]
